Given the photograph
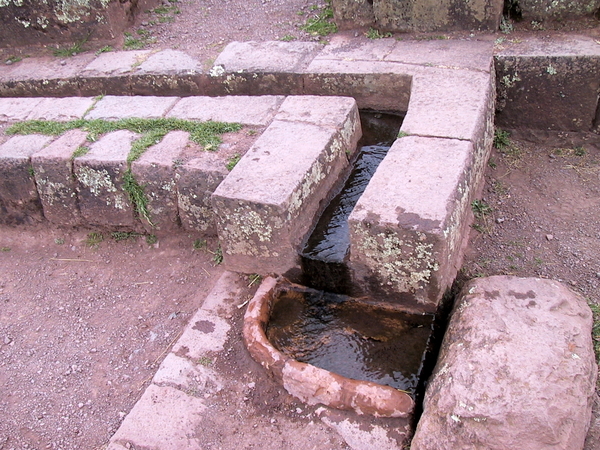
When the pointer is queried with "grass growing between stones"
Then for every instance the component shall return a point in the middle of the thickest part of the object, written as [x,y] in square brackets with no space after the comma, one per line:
[152,131]
[596,330]
[321,23]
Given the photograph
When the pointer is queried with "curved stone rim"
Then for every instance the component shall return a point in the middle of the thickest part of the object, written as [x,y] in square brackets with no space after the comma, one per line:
[311,384]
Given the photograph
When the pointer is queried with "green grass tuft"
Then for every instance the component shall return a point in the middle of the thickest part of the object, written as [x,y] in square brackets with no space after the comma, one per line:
[321,24]
[137,196]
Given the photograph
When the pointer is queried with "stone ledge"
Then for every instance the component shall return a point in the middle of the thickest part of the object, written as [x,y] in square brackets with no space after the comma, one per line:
[532,338]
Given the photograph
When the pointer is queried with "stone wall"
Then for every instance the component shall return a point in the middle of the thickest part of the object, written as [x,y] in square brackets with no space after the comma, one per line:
[542,10]
[34,22]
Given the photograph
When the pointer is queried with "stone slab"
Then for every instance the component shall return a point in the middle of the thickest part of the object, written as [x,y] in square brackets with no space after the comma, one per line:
[548,85]
[516,369]
[238,109]
[558,10]
[19,201]
[352,15]
[44,77]
[61,109]
[155,171]
[445,53]
[449,103]
[120,107]
[270,199]
[99,173]
[162,418]
[53,168]
[17,109]
[273,56]
[169,62]
[408,229]
[197,180]
[115,63]
[437,15]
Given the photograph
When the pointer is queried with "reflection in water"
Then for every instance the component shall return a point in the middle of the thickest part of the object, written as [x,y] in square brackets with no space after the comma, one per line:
[351,338]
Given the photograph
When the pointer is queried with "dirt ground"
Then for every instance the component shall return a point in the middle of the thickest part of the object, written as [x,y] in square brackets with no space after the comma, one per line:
[83,327]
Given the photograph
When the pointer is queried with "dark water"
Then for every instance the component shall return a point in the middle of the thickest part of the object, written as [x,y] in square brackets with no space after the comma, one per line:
[326,249]
[351,338]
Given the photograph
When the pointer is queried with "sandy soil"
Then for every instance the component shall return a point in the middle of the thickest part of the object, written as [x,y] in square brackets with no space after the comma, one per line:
[83,328]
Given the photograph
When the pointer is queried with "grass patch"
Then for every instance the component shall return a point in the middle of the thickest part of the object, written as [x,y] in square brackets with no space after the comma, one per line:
[151,239]
[481,208]
[288,38]
[94,239]
[105,49]
[124,235]
[5,249]
[137,196]
[501,139]
[199,244]
[254,279]
[73,50]
[231,162]
[137,43]
[596,328]
[373,33]
[80,151]
[13,59]
[321,23]
[218,256]
[402,134]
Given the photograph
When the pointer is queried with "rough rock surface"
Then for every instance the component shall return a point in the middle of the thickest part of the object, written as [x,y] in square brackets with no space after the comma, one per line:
[516,370]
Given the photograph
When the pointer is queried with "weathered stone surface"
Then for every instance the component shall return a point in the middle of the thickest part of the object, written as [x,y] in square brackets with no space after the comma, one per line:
[516,370]
[117,107]
[17,109]
[270,56]
[110,73]
[269,201]
[31,22]
[99,174]
[353,14]
[169,62]
[312,384]
[548,84]
[197,180]
[436,15]
[61,109]
[408,228]
[44,77]
[53,168]
[557,9]
[238,109]
[155,171]
[19,201]
[386,89]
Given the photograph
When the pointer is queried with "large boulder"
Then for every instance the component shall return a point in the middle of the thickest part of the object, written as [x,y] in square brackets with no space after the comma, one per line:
[516,370]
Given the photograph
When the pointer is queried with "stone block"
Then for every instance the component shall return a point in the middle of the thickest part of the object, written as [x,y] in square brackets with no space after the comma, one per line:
[19,201]
[99,173]
[516,369]
[44,77]
[32,22]
[449,103]
[110,73]
[237,109]
[17,109]
[272,57]
[408,229]
[349,15]
[198,179]
[61,109]
[437,15]
[121,107]
[548,85]
[168,72]
[155,171]
[386,90]
[557,10]
[269,201]
[53,168]
[445,54]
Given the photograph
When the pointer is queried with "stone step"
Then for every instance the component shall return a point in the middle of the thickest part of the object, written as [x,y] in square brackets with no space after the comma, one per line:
[272,197]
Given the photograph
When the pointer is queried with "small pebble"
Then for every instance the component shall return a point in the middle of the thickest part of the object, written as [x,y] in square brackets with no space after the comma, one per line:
[500,220]
[549,237]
